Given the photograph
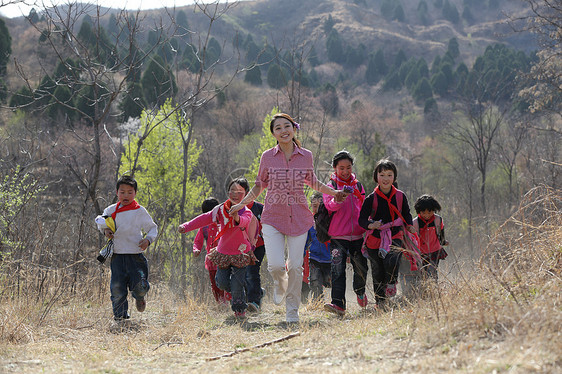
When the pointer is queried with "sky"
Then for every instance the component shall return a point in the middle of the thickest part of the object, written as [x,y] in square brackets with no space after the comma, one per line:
[11,11]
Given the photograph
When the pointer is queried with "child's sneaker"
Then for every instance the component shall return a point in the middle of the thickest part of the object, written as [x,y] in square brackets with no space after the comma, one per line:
[240,315]
[141,304]
[362,300]
[390,290]
[332,308]
[253,307]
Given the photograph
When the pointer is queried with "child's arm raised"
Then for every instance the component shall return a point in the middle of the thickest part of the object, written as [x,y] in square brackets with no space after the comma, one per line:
[196,223]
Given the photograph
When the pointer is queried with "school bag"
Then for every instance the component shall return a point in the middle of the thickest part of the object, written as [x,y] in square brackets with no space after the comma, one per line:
[251,232]
[323,219]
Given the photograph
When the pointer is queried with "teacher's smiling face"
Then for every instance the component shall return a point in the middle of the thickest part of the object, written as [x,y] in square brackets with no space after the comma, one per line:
[283,130]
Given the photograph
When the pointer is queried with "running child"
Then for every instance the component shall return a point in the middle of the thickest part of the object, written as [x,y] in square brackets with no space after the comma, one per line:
[234,251]
[386,213]
[129,267]
[431,231]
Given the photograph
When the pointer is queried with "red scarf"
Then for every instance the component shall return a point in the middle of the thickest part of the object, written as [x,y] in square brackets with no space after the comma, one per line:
[119,208]
[393,210]
[227,221]
[426,223]
[351,182]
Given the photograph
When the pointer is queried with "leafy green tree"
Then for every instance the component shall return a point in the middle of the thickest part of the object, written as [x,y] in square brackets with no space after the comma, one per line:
[21,98]
[213,52]
[422,91]
[450,12]
[387,9]
[276,77]
[252,51]
[392,81]
[182,23]
[267,141]
[436,64]
[398,13]
[133,102]
[467,15]
[313,57]
[253,76]
[328,25]
[430,106]
[412,78]
[167,171]
[371,74]
[334,47]
[439,83]
[399,59]
[5,47]
[190,59]
[61,103]
[453,48]
[158,82]
[423,13]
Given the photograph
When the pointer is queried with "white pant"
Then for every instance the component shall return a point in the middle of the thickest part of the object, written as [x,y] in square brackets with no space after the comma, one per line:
[287,279]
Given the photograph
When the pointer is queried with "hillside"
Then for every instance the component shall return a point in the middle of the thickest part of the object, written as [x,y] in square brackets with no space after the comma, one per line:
[285,23]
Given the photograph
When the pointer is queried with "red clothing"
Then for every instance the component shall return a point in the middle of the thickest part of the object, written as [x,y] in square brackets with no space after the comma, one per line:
[233,241]
[211,232]
[429,241]
[286,206]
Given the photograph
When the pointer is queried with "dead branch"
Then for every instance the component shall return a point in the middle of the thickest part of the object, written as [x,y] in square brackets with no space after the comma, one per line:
[230,354]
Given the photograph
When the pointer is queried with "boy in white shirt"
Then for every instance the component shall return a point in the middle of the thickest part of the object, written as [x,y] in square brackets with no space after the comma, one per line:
[129,267]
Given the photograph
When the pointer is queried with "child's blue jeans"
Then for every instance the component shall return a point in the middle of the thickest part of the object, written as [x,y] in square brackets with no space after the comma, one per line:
[128,272]
[232,280]
[253,278]
[341,249]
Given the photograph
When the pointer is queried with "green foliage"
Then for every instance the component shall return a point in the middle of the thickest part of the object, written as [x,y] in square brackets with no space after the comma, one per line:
[450,12]
[133,102]
[453,48]
[158,82]
[61,103]
[190,59]
[430,106]
[213,52]
[253,76]
[160,167]
[439,83]
[313,57]
[276,76]
[16,190]
[328,25]
[267,141]
[5,47]
[22,97]
[422,91]
[355,56]
[399,59]
[398,13]
[334,47]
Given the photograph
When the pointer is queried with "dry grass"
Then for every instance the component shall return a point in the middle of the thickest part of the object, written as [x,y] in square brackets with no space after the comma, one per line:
[503,316]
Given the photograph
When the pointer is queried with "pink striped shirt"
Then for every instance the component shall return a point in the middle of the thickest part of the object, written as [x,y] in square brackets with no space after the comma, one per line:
[286,206]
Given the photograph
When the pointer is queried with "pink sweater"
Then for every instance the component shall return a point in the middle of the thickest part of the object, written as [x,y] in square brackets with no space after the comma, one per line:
[233,241]
[345,223]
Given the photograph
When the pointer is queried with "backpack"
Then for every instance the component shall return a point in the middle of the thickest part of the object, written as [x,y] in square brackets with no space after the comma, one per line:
[251,232]
[437,223]
[323,219]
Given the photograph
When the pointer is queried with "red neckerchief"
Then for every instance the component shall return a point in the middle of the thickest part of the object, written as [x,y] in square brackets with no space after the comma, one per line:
[391,206]
[227,221]
[351,182]
[119,209]
[426,223]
